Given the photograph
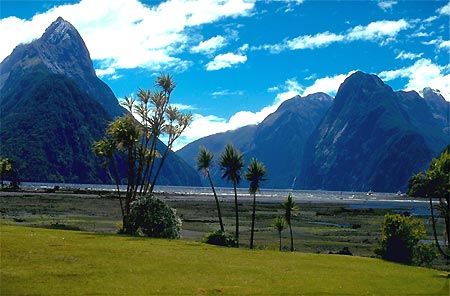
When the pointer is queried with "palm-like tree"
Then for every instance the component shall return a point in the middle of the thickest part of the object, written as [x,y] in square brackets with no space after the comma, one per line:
[279,223]
[204,162]
[290,209]
[231,163]
[255,174]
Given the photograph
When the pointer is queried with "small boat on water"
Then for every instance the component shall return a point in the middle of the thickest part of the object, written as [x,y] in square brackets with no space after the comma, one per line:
[370,192]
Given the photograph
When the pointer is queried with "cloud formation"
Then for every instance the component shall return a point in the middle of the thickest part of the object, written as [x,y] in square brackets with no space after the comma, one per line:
[150,36]
[209,46]
[387,4]
[226,60]
[423,73]
[375,31]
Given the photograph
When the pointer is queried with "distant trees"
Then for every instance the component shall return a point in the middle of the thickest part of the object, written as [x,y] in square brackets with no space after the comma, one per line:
[289,212]
[231,163]
[7,170]
[136,135]
[255,174]
[204,163]
[435,184]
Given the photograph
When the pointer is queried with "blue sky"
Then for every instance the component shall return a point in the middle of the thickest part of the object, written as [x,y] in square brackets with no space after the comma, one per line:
[235,61]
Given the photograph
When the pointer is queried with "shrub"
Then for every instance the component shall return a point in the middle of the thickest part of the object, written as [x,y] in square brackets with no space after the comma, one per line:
[220,238]
[425,254]
[152,217]
[400,236]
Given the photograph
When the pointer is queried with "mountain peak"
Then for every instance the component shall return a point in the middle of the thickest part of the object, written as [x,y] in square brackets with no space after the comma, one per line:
[59,31]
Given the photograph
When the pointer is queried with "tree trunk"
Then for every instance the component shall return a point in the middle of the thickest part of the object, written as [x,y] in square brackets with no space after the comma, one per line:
[237,214]
[279,234]
[217,202]
[292,238]
[253,220]
[446,256]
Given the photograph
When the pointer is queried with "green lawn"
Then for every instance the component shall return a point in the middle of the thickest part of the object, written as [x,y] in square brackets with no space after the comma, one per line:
[37,261]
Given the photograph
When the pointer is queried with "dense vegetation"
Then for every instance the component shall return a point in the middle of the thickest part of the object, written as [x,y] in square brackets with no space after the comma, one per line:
[435,185]
[50,108]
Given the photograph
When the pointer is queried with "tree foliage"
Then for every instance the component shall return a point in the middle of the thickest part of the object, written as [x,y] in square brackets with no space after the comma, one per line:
[289,212]
[400,239]
[204,163]
[152,217]
[136,135]
[435,185]
[231,163]
[7,170]
[279,223]
[256,172]
[220,238]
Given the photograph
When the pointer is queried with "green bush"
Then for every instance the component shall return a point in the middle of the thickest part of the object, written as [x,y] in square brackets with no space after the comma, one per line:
[152,217]
[399,238]
[425,254]
[220,238]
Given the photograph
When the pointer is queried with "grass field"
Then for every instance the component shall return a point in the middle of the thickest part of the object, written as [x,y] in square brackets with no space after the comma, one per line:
[37,261]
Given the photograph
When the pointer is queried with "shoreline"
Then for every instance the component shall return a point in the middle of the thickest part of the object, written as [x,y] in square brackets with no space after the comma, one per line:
[352,200]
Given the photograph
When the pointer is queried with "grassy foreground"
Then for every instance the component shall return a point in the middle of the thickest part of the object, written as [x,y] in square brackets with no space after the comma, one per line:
[55,262]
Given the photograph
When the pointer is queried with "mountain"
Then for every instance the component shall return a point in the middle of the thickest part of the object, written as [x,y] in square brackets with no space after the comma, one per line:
[372,138]
[53,107]
[439,107]
[277,141]
[60,50]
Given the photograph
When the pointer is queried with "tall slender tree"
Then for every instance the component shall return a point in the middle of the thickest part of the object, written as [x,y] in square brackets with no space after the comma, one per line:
[256,172]
[136,135]
[279,223]
[231,163]
[204,163]
[290,209]
[435,184]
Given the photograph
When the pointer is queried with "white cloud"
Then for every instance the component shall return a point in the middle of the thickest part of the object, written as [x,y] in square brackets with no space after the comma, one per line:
[445,44]
[316,41]
[423,73]
[386,5]
[150,36]
[226,60]
[408,55]
[445,10]
[328,85]
[375,31]
[227,92]
[209,46]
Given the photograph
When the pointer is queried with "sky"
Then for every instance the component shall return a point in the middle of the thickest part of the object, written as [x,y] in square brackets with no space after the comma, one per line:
[236,61]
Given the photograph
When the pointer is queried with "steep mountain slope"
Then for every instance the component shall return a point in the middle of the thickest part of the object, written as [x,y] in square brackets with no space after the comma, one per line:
[50,130]
[277,141]
[60,50]
[367,140]
[439,107]
[53,108]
